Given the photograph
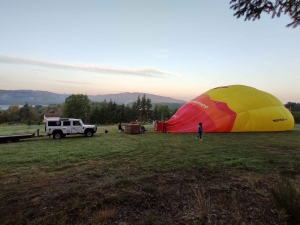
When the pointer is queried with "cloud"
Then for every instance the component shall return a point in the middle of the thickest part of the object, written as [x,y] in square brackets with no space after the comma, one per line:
[143,72]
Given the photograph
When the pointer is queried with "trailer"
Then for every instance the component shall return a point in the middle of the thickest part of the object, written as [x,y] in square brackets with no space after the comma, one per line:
[17,137]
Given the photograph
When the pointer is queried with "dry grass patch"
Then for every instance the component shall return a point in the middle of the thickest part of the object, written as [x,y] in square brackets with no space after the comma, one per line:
[103,216]
[286,194]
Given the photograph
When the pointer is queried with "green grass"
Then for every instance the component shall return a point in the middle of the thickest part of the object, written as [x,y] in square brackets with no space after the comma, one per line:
[74,167]
[256,151]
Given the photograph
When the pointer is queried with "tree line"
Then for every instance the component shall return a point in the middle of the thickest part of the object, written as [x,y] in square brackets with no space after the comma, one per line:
[142,110]
[80,106]
[106,112]
[295,110]
[27,114]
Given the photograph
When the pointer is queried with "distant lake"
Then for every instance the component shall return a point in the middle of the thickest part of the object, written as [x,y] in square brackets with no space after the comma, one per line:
[5,107]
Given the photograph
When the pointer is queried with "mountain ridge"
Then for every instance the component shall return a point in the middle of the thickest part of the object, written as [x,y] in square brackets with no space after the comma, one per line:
[40,97]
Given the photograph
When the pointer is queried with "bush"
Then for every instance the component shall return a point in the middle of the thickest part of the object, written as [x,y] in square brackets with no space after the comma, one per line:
[296,116]
[287,197]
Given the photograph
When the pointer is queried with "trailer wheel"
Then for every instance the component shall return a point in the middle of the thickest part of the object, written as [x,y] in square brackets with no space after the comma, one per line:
[57,135]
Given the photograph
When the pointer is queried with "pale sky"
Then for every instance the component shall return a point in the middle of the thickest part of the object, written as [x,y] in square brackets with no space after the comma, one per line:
[177,49]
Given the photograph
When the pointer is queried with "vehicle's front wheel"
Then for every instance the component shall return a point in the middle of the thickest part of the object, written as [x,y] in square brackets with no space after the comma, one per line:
[57,135]
[89,133]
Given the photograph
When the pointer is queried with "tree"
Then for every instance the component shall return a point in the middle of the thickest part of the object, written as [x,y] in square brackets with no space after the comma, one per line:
[95,113]
[145,107]
[141,108]
[28,114]
[296,116]
[293,106]
[54,108]
[161,112]
[173,111]
[13,113]
[129,114]
[39,108]
[24,113]
[2,115]
[252,9]
[76,106]
[111,108]
[136,106]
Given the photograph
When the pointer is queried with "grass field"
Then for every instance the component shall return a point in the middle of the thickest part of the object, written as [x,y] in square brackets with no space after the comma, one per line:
[151,178]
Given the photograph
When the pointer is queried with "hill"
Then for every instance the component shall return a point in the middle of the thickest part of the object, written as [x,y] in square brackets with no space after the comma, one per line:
[32,97]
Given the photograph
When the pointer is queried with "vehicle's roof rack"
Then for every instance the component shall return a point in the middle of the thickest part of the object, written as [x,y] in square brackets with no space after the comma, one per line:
[62,119]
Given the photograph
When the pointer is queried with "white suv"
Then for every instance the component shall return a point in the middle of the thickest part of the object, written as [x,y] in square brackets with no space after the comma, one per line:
[59,128]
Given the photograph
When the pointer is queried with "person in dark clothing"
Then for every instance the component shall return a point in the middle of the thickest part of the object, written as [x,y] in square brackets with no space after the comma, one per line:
[120,128]
[143,129]
[164,128]
[200,131]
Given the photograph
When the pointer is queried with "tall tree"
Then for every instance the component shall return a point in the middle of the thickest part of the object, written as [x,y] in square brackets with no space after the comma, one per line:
[112,112]
[13,113]
[252,9]
[24,113]
[121,113]
[149,108]
[161,112]
[129,114]
[136,106]
[29,115]
[103,113]
[95,114]
[145,108]
[76,106]
[2,115]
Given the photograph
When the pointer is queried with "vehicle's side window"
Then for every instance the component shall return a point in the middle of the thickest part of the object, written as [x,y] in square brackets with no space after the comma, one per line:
[54,123]
[76,123]
[67,123]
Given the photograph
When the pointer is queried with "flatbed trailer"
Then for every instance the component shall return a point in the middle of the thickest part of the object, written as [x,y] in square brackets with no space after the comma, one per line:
[17,137]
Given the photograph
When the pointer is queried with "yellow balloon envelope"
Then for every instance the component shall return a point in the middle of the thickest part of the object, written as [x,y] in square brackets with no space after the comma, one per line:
[235,108]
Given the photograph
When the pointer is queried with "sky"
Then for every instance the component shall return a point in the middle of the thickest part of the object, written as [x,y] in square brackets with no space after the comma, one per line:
[177,49]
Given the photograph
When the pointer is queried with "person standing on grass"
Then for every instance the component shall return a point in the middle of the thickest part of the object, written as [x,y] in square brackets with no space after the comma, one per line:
[154,124]
[200,131]
[120,128]
[164,128]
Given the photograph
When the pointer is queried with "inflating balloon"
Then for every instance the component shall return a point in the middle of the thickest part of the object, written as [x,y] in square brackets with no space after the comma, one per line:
[235,108]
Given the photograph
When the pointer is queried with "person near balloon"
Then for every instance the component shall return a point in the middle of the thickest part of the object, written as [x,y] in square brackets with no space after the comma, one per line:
[200,131]
[120,128]
[164,128]
[155,124]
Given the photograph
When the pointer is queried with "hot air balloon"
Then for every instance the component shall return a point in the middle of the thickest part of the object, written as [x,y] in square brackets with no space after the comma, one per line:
[234,108]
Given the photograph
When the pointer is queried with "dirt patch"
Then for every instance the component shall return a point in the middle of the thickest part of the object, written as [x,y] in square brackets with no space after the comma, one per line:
[202,196]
